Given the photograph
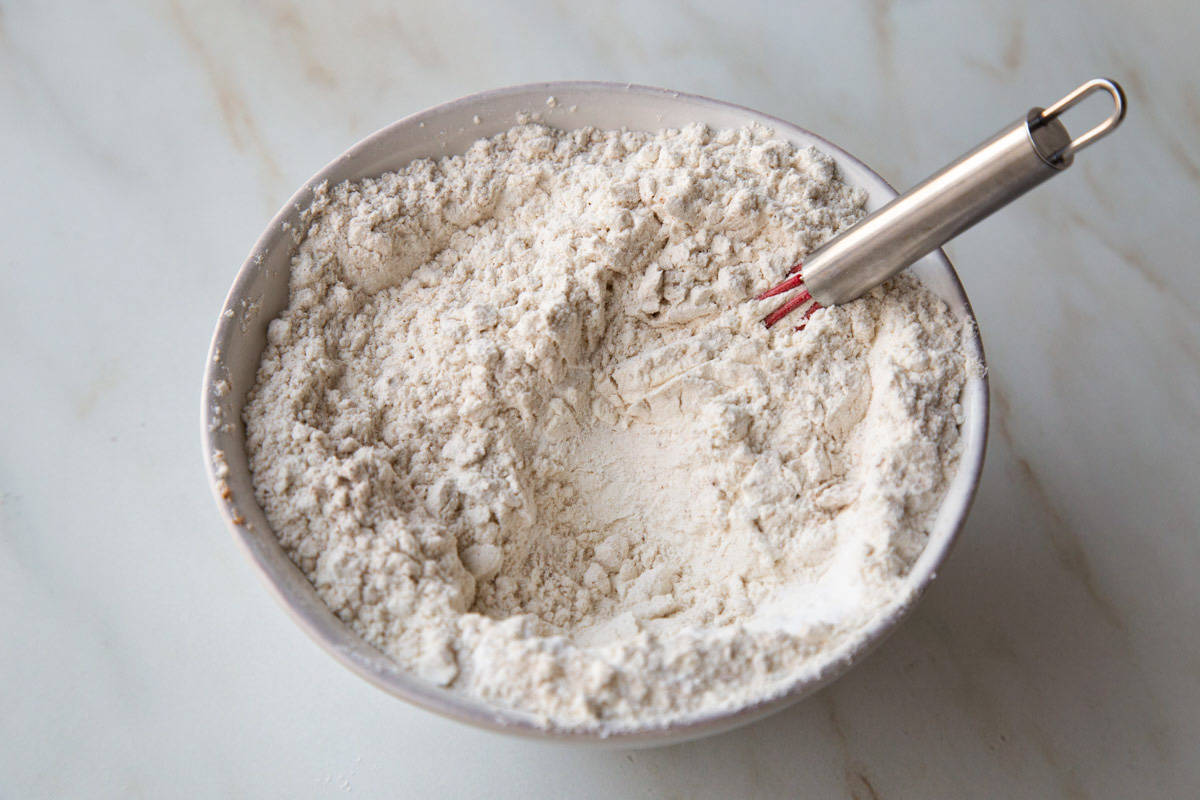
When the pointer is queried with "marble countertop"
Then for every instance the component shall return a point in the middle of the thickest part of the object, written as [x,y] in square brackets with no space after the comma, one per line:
[148,144]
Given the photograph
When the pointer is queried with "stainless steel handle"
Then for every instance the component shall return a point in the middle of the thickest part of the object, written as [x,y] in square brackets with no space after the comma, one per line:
[953,199]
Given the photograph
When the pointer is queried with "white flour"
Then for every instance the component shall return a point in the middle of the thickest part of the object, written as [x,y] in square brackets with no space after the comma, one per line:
[521,429]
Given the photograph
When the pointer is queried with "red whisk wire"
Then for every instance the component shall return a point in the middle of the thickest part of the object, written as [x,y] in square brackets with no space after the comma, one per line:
[785,286]
[794,281]
[807,314]
[787,308]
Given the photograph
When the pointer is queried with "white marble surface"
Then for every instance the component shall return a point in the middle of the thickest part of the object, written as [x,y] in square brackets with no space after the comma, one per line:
[146,146]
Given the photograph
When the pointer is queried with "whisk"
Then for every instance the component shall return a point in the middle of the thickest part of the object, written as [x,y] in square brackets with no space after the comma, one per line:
[942,206]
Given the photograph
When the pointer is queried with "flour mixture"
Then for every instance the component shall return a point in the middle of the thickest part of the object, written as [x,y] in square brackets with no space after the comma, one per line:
[522,430]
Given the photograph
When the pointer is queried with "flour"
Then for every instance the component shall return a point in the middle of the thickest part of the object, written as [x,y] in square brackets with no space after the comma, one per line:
[523,432]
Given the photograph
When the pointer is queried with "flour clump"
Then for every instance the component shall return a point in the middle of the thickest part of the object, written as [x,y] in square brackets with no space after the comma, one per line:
[522,430]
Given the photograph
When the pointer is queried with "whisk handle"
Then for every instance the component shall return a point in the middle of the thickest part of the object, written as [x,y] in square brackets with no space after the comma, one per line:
[995,173]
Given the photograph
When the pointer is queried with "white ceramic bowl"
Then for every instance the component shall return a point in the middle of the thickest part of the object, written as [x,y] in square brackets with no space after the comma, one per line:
[260,293]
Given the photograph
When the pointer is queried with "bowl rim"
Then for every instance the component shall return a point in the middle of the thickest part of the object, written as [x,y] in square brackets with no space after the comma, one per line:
[395,680]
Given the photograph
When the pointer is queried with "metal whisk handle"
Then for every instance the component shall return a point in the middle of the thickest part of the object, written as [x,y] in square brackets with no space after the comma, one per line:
[953,199]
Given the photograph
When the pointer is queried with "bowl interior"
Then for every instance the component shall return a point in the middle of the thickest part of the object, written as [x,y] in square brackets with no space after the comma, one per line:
[260,293]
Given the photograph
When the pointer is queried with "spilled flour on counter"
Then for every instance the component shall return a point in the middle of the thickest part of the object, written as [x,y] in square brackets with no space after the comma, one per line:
[523,432]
